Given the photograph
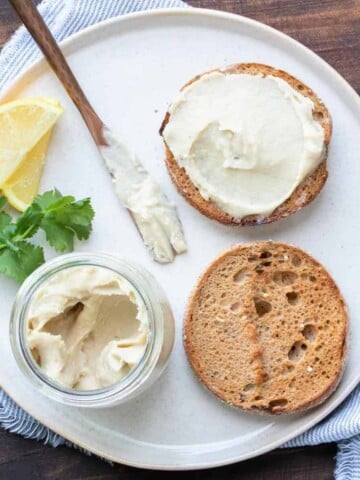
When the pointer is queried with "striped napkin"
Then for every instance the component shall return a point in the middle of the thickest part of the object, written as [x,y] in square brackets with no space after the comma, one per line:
[65,17]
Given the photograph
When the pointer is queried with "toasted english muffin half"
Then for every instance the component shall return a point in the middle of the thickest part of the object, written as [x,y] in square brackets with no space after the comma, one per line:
[266,329]
[302,195]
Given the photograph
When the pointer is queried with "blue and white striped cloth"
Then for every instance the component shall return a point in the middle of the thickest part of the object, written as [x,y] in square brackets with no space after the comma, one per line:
[65,17]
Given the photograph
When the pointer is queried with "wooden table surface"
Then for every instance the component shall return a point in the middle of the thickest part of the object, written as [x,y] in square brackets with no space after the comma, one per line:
[332,29]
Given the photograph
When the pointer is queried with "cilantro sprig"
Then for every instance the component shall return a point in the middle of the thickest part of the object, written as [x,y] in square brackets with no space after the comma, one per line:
[62,218]
[2,201]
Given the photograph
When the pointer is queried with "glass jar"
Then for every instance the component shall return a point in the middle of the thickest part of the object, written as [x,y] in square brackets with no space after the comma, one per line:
[160,338]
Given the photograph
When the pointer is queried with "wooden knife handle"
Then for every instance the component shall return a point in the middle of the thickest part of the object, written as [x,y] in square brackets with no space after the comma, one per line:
[33,21]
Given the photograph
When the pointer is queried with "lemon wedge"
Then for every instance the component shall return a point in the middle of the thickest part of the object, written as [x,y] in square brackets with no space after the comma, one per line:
[23,185]
[23,124]
[25,130]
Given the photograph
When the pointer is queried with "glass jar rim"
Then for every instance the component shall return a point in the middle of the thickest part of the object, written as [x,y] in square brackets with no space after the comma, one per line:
[134,274]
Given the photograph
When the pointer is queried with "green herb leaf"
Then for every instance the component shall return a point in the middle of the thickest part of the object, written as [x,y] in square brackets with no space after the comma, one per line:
[64,218]
[7,231]
[5,220]
[49,200]
[29,222]
[59,236]
[61,217]
[3,201]
[19,264]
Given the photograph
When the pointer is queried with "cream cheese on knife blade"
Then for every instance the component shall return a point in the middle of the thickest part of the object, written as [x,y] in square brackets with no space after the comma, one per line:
[154,215]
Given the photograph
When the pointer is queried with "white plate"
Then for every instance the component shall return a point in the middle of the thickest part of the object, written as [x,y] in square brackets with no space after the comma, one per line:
[131,67]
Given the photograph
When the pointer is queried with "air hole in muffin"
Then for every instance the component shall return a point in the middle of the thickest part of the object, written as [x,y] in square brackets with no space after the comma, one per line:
[258,397]
[279,402]
[241,275]
[296,260]
[318,116]
[259,270]
[248,387]
[310,332]
[265,255]
[266,264]
[252,258]
[300,87]
[235,306]
[293,298]
[297,351]
[284,278]
[262,306]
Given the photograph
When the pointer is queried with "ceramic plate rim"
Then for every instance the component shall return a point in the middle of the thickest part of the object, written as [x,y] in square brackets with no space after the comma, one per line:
[343,84]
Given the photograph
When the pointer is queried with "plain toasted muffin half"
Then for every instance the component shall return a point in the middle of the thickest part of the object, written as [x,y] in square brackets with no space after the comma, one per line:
[302,195]
[266,329]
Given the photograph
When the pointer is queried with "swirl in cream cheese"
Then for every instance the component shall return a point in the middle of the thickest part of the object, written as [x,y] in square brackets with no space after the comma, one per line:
[87,327]
[245,141]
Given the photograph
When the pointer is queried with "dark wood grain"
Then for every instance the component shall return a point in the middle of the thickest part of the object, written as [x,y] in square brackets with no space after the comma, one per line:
[329,27]
[22,459]
[332,29]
